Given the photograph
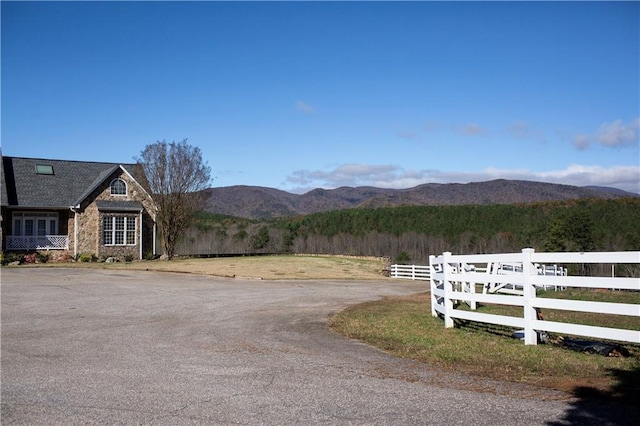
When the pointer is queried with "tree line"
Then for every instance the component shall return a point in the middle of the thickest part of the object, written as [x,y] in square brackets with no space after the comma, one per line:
[412,233]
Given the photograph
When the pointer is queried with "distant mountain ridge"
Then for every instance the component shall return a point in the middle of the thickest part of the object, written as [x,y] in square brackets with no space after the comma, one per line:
[256,202]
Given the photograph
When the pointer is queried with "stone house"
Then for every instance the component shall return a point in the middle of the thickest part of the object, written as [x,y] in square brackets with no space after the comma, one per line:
[71,208]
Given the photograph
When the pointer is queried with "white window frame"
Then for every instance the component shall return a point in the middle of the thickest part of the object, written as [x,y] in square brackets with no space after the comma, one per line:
[113,184]
[119,230]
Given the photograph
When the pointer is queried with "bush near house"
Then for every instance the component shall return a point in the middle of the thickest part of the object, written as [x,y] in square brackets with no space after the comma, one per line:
[35,257]
[87,257]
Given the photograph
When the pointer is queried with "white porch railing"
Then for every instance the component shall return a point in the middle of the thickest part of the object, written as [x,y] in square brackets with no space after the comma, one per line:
[454,279]
[38,242]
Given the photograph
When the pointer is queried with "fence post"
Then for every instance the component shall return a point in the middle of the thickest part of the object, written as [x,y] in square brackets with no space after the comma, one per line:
[448,288]
[432,285]
[470,287]
[530,335]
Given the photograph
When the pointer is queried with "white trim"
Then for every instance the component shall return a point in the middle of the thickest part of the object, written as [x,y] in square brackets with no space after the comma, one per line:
[75,230]
[141,232]
[155,230]
[125,231]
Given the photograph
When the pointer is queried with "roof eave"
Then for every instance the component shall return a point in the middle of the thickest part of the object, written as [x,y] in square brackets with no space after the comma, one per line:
[94,185]
[20,207]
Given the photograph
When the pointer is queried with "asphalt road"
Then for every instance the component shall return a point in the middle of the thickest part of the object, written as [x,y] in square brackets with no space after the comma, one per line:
[111,347]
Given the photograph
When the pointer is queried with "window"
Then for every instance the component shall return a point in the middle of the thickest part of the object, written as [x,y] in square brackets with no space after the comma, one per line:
[44,169]
[119,230]
[118,187]
[28,227]
[42,227]
[35,223]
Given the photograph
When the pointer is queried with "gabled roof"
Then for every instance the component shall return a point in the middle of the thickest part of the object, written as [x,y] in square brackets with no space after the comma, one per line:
[70,183]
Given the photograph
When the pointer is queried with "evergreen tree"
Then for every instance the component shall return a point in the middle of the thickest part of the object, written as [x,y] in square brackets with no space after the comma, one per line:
[260,240]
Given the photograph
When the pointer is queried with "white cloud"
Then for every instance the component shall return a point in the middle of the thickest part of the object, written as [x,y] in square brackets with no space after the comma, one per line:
[623,177]
[304,107]
[611,135]
[617,133]
[390,176]
[345,175]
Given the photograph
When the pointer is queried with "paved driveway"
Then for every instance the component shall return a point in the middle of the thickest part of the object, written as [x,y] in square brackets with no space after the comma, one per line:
[111,347]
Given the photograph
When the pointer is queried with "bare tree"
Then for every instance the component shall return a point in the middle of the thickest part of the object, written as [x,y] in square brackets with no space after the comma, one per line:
[176,175]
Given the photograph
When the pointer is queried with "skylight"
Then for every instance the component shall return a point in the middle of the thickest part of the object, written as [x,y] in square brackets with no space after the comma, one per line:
[44,169]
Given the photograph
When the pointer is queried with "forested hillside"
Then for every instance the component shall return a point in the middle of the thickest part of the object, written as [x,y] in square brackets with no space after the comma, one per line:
[414,232]
[254,202]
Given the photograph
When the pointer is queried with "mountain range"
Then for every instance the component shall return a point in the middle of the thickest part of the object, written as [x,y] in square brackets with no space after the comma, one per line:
[256,202]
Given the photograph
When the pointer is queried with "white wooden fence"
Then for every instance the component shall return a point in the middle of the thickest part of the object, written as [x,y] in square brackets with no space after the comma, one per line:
[454,279]
[411,272]
[512,279]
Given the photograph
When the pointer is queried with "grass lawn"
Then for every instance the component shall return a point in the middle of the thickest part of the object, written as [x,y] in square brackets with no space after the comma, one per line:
[404,326]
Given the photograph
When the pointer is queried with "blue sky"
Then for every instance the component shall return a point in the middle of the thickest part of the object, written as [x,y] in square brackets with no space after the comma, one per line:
[298,95]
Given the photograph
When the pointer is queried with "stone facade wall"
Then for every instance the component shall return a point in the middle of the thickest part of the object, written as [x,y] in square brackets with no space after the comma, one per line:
[88,222]
[90,238]
[71,229]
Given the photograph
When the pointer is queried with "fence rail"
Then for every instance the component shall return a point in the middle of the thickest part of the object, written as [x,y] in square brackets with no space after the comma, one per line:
[454,279]
[38,242]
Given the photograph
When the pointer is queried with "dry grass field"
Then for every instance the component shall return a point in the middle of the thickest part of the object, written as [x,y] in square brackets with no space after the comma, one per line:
[258,267]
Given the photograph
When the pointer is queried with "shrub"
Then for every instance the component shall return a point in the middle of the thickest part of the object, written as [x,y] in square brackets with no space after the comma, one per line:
[30,258]
[403,258]
[149,256]
[128,258]
[42,257]
[10,258]
[85,257]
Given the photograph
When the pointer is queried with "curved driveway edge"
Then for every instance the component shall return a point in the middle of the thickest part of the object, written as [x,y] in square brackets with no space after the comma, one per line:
[113,347]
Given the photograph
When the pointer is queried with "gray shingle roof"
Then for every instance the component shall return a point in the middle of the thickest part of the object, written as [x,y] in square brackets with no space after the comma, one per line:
[119,206]
[71,181]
